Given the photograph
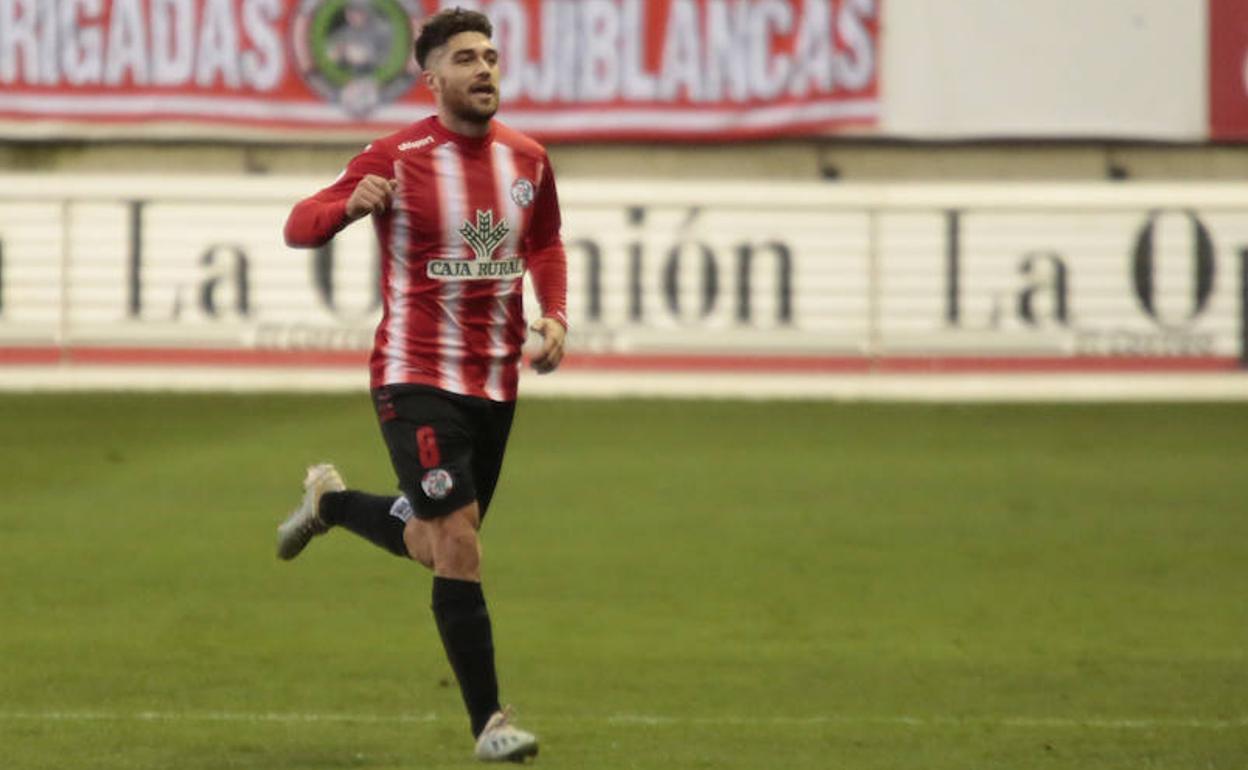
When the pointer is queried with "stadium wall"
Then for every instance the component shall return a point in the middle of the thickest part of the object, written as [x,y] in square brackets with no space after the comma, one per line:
[128,261]
[796,285]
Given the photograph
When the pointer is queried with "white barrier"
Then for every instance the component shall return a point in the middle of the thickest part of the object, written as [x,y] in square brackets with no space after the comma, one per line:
[794,280]
[571,382]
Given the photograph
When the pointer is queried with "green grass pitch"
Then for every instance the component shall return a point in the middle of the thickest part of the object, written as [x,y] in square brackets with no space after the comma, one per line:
[673,585]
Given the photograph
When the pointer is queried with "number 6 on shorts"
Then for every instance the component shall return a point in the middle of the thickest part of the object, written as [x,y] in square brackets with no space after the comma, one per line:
[427,446]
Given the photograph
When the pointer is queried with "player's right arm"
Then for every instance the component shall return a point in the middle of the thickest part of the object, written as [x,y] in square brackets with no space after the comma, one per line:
[363,188]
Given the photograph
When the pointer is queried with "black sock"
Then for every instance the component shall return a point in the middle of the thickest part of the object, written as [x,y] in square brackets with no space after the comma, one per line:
[464,624]
[367,516]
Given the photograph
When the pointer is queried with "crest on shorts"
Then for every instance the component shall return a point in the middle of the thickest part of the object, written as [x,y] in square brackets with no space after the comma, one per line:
[356,53]
[437,484]
[522,192]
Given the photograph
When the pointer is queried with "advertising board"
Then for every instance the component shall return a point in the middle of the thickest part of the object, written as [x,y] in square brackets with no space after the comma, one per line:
[798,277]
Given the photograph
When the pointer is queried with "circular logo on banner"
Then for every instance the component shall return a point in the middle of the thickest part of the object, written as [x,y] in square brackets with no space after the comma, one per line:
[356,53]
[437,484]
[522,192]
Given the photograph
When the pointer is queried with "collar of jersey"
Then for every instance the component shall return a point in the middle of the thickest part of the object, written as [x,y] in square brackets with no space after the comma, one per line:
[465,142]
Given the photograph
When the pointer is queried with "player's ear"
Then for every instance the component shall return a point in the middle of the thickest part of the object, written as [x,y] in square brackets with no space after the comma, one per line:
[431,82]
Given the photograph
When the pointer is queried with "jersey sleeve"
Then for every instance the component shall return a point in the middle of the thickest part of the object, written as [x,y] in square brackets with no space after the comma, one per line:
[547,261]
[315,220]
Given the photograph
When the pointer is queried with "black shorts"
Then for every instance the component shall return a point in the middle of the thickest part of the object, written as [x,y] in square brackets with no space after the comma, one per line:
[447,449]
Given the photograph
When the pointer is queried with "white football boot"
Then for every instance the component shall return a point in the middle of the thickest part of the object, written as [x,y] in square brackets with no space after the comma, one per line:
[502,741]
[304,523]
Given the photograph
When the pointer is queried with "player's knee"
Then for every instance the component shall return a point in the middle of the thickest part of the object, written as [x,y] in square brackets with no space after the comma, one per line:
[456,548]
[458,556]
[457,543]
[417,543]
[460,546]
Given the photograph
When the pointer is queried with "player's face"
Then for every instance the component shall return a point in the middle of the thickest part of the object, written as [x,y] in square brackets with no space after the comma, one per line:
[464,77]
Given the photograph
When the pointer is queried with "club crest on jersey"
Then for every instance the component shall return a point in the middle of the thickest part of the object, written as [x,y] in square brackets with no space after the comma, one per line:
[437,484]
[522,192]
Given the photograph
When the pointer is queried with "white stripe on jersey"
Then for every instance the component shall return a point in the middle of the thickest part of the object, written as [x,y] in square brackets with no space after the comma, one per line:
[395,352]
[504,178]
[448,168]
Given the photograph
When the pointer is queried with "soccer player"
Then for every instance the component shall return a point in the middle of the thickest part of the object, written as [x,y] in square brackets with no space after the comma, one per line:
[462,206]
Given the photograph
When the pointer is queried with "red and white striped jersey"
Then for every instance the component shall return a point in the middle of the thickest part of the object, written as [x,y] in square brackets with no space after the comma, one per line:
[469,217]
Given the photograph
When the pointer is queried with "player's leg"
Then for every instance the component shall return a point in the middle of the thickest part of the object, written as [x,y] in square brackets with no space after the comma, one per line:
[379,519]
[492,431]
[464,625]
[326,503]
[499,739]
[429,435]
[459,609]
[417,538]
[383,520]
[438,474]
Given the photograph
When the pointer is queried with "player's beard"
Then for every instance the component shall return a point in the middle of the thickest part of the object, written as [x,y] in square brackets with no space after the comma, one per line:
[467,107]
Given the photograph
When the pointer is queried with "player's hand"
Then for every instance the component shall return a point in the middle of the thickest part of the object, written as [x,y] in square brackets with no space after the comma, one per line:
[551,354]
[371,196]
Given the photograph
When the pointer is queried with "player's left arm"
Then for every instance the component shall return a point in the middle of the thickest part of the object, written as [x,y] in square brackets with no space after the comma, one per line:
[548,265]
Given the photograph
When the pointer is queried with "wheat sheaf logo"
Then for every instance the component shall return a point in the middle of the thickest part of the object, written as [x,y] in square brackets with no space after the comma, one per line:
[356,53]
[483,236]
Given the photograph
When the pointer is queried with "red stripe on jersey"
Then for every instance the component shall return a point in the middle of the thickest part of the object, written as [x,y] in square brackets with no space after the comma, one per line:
[477,308]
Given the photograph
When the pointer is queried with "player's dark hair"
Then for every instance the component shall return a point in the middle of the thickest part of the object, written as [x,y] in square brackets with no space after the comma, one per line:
[446,24]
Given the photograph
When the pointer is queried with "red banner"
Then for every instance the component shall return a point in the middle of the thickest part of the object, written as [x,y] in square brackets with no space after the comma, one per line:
[572,69]
[1228,69]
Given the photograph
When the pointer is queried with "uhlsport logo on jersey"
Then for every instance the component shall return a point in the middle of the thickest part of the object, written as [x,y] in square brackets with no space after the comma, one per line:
[356,53]
[437,484]
[483,236]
